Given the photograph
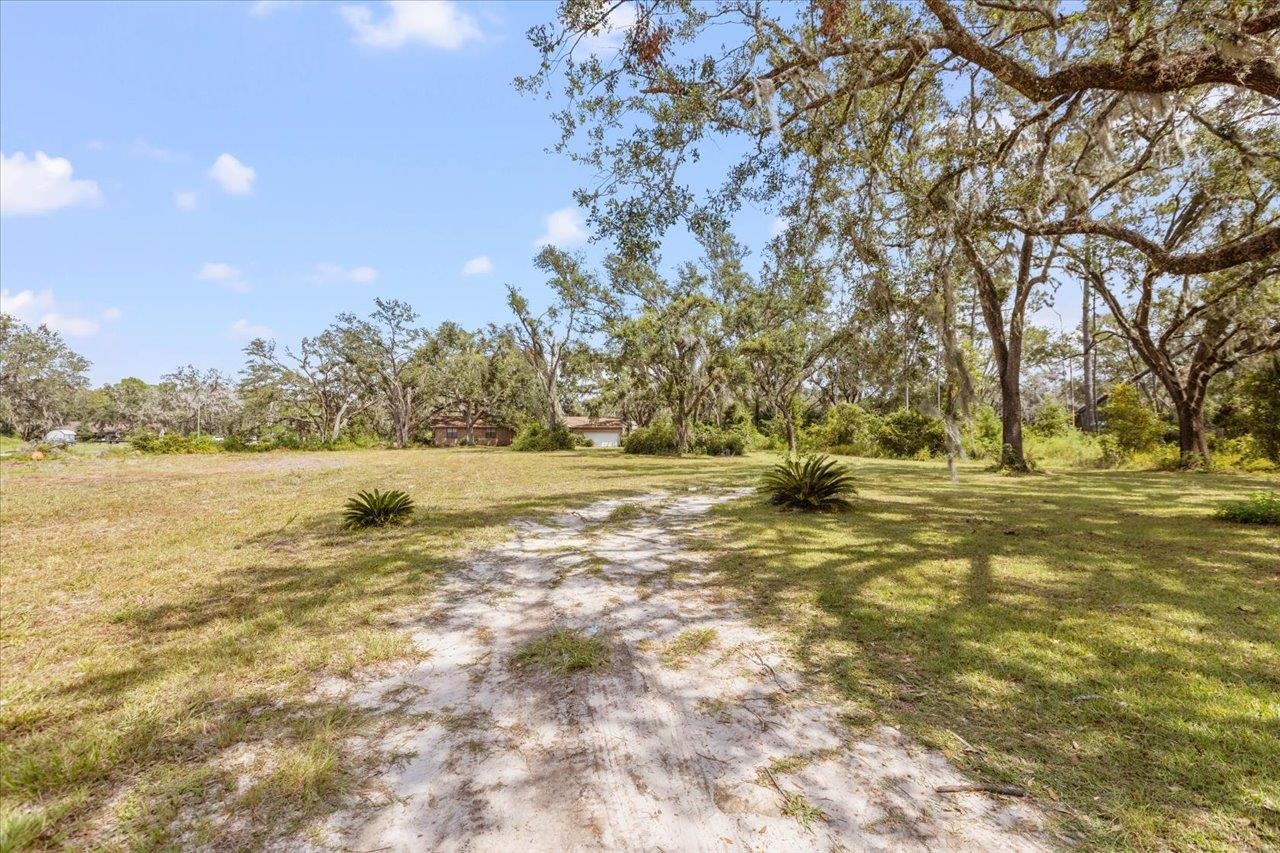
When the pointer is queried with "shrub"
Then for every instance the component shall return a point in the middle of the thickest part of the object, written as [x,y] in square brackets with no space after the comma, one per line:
[846,428]
[1071,447]
[657,439]
[377,508]
[813,484]
[145,441]
[1260,508]
[538,437]
[984,437]
[1245,453]
[714,441]
[908,433]
[1052,420]
[1260,414]
[1132,424]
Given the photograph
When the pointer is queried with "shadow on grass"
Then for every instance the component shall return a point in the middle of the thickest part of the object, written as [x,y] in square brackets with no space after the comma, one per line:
[1096,635]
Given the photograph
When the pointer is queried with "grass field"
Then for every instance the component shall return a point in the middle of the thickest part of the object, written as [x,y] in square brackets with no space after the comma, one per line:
[1094,636]
[164,619]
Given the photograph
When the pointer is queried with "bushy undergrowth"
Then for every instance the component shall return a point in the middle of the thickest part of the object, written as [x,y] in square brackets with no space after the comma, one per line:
[377,509]
[714,441]
[847,429]
[537,437]
[908,434]
[145,441]
[1260,508]
[659,439]
[812,484]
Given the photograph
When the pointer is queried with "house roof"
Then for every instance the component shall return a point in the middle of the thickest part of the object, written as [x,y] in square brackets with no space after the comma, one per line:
[578,422]
[461,424]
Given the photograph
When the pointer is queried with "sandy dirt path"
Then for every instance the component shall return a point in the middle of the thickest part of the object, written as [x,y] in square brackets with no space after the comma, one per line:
[653,753]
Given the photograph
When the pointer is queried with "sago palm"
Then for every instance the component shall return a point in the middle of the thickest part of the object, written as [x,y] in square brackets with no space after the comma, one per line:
[814,484]
[377,508]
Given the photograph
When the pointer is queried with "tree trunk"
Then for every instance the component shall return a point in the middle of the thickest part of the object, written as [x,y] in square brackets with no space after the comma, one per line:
[1193,446]
[1011,454]
[1089,411]
[789,426]
[681,424]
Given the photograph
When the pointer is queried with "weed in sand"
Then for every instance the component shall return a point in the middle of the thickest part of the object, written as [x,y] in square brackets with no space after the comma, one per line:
[624,512]
[564,651]
[796,807]
[686,645]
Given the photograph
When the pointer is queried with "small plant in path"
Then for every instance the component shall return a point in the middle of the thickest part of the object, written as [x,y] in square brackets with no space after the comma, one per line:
[1260,508]
[813,484]
[564,651]
[377,508]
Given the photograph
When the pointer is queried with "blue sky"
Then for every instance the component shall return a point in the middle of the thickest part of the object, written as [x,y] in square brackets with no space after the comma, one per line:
[211,171]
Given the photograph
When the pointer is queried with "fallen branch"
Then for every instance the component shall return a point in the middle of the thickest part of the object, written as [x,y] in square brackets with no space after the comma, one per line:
[1003,790]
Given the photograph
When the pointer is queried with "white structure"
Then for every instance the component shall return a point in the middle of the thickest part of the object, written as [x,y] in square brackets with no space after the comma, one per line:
[603,432]
[61,435]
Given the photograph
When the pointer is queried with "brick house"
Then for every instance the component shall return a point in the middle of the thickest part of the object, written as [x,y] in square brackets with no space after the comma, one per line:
[450,432]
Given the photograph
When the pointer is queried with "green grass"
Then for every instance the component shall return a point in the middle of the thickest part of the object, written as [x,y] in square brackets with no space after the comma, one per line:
[168,613]
[1097,637]
[564,651]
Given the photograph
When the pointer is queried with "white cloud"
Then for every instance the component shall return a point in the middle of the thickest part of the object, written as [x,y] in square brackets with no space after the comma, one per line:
[778,226]
[437,23]
[37,308]
[40,184]
[186,199]
[96,145]
[225,275]
[263,8]
[478,266]
[72,327]
[564,228]
[112,314]
[26,305]
[143,148]
[233,176]
[244,329]
[334,274]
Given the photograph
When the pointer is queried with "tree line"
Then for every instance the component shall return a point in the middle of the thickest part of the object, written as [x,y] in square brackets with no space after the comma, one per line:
[953,156]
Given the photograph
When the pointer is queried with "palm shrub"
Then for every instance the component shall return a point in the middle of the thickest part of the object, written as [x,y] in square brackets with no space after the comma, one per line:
[377,508]
[812,483]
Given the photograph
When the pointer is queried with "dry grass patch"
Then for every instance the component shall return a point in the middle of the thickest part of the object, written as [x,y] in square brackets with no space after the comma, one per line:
[688,644]
[564,651]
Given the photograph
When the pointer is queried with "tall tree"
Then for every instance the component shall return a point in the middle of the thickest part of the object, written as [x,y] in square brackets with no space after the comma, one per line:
[320,388]
[1189,329]
[40,378]
[548,338]
[383,353]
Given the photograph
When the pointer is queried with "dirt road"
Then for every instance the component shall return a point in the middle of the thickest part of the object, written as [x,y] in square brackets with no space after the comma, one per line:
[698,735]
